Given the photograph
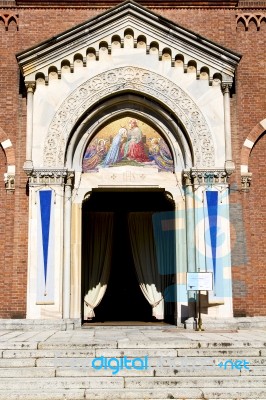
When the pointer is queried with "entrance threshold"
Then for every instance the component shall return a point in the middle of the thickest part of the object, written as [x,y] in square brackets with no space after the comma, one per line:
[125,323]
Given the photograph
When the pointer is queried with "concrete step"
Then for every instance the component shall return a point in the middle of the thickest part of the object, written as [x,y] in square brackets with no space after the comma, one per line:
[177,368]
[171,343]
[132,382]
[128,394]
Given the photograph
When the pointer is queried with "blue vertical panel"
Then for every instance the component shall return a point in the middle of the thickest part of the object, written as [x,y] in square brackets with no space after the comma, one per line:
[45,208]
[212,208]
[45,247]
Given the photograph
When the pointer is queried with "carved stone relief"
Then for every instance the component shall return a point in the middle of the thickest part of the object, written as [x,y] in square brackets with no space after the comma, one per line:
[133,79]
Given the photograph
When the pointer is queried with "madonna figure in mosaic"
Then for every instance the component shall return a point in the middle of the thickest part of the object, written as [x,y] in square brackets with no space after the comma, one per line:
[114,153]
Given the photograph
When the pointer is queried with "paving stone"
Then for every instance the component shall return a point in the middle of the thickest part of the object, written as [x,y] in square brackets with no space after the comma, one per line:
[205,371]
[44,395]
[17,362]
[28,354]
[225,382]
[247,352]
[136,352]
[27,372]
[128,394]
[89,371]
[18,345]
[9,384]
[10,335]
[73,362]
[177,344]
[235,393]
[71,346]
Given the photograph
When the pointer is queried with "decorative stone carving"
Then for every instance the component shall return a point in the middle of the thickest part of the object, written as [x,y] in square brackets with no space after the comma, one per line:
[9,17]
[50,177]
[246,18]
[9,180]
[246,181]
[120,80]
[205,176]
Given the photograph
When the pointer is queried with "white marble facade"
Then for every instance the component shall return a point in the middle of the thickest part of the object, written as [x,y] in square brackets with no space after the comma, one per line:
[126,63]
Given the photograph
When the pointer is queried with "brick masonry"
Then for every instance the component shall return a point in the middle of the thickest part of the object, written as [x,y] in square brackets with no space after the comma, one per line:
[28,26]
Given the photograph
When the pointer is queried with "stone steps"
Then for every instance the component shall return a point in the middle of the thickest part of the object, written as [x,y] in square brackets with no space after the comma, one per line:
[178,368]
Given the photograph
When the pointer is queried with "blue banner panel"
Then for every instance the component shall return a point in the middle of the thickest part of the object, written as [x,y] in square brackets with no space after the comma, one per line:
[212,207]
[45,209]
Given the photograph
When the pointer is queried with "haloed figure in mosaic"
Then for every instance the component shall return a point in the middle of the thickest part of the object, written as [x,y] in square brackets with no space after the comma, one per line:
[114,153]
[134,148]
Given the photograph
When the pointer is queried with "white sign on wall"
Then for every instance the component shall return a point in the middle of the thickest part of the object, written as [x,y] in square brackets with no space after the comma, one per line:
[199,281]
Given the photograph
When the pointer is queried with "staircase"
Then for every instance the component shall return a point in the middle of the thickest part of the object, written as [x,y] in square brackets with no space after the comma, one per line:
[132,363]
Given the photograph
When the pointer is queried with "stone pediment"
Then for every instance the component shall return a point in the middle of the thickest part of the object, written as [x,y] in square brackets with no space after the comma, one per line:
[121,30]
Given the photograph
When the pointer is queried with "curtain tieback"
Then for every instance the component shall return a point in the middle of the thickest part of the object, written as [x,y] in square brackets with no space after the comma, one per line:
[157,302]
[88,305]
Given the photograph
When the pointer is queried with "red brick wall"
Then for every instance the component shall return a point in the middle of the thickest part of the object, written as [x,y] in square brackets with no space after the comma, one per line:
[248,109]
[255,217]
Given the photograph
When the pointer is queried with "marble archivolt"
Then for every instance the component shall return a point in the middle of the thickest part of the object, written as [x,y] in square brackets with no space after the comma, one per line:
[137,80]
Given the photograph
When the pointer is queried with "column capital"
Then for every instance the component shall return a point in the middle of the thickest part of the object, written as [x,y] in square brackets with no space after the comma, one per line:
[30,86]
[246,179]
[226,88]
[69,178]
[49,176]
[205,176]
[9,179]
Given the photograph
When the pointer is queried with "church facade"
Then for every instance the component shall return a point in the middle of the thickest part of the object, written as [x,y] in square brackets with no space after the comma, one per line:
[132,156]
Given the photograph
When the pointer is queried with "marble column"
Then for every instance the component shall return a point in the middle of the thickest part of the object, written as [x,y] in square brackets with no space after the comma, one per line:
[76,232]
[227,123]
[67,247]
[30,90]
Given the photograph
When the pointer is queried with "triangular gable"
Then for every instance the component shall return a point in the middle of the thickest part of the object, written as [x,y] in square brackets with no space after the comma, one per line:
[170,38]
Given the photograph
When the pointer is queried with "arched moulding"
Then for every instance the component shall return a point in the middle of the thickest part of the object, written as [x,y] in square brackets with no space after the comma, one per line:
[244,21]
[9,175]
[78,60]
[154,48]
[217,79]
[123,80]
[115,113]
[8,19]
[129,38]
[116,42]
[256,133]
[52,73]
[40,79]
[141,42]
[65,67]
[192,67]
[104,50]
[204,73]
[179,61]
[167,54]
[129,32]
[91,54]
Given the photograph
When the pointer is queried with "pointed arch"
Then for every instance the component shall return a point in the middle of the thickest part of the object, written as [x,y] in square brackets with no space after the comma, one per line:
[248,144]
[8,149]
[124,80]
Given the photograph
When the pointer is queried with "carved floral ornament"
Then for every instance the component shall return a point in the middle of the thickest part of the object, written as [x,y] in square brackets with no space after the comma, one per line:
[120,80]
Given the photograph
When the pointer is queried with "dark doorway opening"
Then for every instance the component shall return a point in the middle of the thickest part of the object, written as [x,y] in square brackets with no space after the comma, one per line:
[123,299]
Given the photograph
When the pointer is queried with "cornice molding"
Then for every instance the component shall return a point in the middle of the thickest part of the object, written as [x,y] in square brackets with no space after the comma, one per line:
[54,51]
[146,3]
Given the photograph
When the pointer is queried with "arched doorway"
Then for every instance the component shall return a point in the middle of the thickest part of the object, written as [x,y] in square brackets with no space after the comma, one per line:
[123,299]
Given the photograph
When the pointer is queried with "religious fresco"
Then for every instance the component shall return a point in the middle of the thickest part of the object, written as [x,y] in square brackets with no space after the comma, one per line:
[125,142]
